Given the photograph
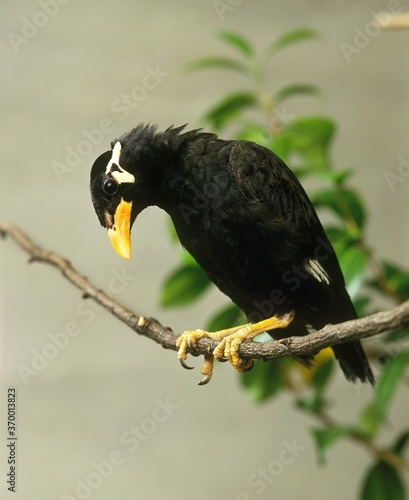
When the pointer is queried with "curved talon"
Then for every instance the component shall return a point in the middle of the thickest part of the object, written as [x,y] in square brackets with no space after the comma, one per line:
[205,380]
[184,365]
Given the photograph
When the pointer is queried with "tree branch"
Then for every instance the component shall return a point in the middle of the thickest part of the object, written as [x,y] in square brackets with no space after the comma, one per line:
[149,327]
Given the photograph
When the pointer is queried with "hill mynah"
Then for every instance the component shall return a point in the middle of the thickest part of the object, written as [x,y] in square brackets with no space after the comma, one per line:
[246,219]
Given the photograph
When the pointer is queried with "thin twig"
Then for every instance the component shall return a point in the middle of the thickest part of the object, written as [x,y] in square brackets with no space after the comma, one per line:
[149,327]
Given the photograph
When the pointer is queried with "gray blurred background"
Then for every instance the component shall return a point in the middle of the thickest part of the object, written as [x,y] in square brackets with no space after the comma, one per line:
[66,78]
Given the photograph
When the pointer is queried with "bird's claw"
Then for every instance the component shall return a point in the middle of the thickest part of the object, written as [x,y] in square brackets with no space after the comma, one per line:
[207,369]
[186,343]
[227,350]
[184,365]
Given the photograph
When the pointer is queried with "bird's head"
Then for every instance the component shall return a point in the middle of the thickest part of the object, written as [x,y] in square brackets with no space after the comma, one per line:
[137,172]
[113,189]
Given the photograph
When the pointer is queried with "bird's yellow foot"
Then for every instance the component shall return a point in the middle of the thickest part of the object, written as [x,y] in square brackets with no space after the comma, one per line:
[230,340]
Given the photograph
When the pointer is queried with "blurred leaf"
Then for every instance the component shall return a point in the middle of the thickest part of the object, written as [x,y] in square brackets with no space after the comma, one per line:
[401,443]
[290,38]
[336,176]
[216,62]
[353,264]
[383,482]
[388,382]
[238,42]
[343,202]
[282,145]
[227,317]
[397,335]
[310,140]
[313,130]
[322,374]
[313,403]
[188,259]
[228,108]
[361,304]
[321,358]
[184,286]
[325,438]
[369,421]
[338,237]
[255,132]
[295,90]
[398,280]
[263,380]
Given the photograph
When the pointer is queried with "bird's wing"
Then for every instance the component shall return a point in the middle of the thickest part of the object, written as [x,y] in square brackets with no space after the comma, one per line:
[283,211]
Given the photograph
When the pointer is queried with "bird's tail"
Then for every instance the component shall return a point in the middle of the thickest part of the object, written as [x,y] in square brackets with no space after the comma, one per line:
[353,361]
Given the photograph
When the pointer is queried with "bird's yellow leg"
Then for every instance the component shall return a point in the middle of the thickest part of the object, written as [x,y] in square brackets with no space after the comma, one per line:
[230,340]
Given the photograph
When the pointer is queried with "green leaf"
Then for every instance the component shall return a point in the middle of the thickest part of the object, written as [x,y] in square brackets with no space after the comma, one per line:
[227,317]
[263,381]
[313,403]
[345,203]
[325,438]
[338,237]
[353,264]
[322,374]
[369,421]
[295,90]
[226,109]
[388,382]
[336,177]
[188,259]
[311,137]
[398,280]
[184,286]
[238,42]
[398,335]
[300,35]
[400,443]
[361,304]
[383,482]
[216,62]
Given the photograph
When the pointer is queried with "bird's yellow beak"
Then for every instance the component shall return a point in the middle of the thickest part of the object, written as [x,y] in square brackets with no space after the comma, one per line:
[120,233]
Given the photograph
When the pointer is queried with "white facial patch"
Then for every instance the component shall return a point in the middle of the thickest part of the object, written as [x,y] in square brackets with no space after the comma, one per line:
[314,268]
[120,175]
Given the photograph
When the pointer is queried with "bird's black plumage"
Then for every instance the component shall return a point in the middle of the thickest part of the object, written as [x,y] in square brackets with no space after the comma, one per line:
[246,219]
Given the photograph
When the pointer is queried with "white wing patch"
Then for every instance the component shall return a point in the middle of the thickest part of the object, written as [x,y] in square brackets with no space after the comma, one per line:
[122,175]
[314,268]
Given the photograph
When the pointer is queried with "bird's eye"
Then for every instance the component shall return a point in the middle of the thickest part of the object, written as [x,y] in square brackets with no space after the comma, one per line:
[109,186]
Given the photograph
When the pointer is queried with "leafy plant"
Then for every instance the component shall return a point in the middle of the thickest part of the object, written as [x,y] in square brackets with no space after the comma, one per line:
[257,114]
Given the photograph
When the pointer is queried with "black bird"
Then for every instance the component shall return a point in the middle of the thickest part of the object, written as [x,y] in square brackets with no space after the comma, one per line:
[246,219]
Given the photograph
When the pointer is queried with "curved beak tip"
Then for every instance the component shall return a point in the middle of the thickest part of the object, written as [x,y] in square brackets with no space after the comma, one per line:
[121,243]
[120,233]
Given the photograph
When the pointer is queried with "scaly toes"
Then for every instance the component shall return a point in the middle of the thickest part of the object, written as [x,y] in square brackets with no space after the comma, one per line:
[186,341]
[229,349]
